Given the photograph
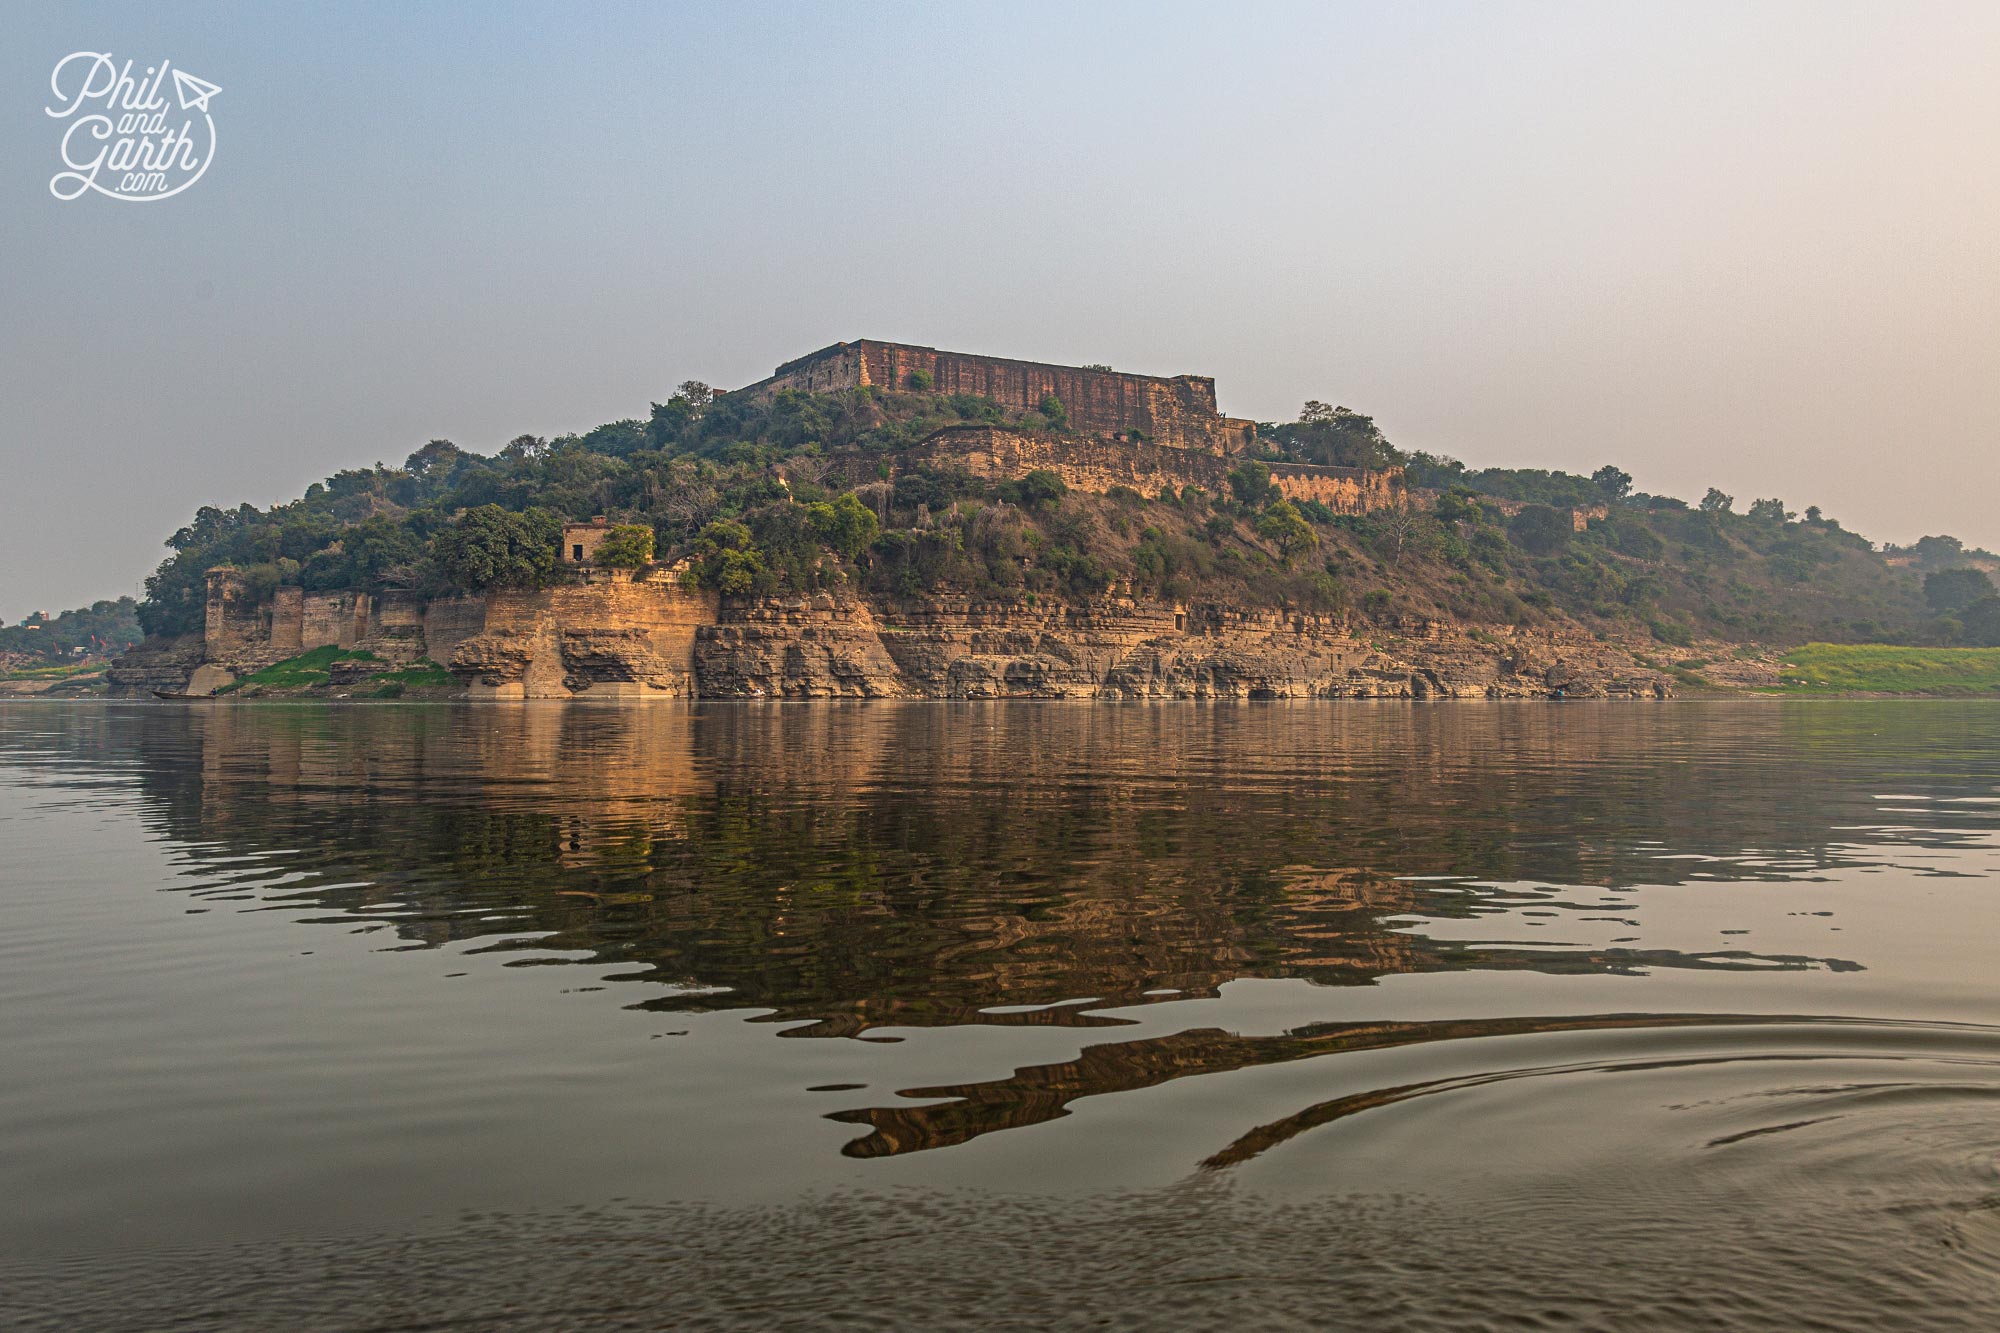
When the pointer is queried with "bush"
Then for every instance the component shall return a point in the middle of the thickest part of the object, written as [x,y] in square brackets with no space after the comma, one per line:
[1636,540]
[919,380]
[1040,487]
[846,526]
[1540,530]
[628,546]
[1251,483]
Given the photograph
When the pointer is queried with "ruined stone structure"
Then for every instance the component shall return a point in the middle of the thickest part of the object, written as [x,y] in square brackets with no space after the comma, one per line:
[581,540]
[1097,465]
[1178,412]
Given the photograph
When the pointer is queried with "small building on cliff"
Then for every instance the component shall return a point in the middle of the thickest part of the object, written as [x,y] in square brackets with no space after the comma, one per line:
[581,540]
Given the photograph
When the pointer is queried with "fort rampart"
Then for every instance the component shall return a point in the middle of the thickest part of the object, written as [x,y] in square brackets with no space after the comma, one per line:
[1177,411]
[1097,465]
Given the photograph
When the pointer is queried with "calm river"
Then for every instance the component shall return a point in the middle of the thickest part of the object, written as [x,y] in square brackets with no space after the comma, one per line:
[1023,1015]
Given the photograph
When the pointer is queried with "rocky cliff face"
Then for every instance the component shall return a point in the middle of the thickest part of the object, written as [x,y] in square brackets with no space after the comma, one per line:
[946,648]
[624,639]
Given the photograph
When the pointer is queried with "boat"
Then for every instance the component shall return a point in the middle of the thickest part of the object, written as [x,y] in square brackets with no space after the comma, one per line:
[172,697]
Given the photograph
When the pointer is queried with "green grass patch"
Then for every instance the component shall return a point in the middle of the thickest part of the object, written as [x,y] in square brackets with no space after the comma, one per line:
[52,672]
[1825,668]
[420,675]
[297,673]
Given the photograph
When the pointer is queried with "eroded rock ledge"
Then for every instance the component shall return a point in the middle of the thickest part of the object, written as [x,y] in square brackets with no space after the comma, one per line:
[621,638]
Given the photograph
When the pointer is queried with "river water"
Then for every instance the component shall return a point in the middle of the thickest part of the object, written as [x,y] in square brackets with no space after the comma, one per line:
[1017,1014]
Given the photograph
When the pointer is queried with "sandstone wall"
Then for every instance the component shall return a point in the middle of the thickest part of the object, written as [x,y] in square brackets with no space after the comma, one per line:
[1178,410]
[611,638]
[1096,465]
[1344,490]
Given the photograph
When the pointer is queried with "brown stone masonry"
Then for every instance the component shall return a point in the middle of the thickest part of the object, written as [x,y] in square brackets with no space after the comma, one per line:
[1177,411]
[1097,465]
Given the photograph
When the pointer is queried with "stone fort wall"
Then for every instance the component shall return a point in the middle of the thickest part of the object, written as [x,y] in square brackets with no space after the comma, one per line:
[1096,465]
[1178,411]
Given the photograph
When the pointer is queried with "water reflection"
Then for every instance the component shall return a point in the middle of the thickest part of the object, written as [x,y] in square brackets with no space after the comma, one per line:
[1536,961]
[864,866]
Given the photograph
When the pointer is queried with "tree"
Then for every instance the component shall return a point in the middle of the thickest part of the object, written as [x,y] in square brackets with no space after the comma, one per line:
[1041,487]
[1949,590]
[1457,504]
[1251,481]
[1932,552]
[688,500]
[730,560]
[491,548]
[846,526]
[1771,511]
[1283,525]
[376,546]
[1981,622]
[1540,529]
[628,546]
[1615,482]
[1337,437]
[1399,528]
[1057,414]
[434,462]
[698,396]
[1715,502]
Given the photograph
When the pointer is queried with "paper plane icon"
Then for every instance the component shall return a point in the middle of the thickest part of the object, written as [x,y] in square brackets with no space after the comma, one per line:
[194,93]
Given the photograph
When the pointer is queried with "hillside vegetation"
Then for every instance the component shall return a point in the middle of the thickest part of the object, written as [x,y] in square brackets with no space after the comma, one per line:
[793,494]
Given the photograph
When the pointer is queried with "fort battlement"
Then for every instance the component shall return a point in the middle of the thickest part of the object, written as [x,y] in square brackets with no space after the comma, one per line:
[1175,411]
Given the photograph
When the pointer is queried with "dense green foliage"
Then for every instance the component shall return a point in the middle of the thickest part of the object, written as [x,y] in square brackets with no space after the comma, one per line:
[629,546]
[795,493]
[101,628]
[491,548]
[1949,590]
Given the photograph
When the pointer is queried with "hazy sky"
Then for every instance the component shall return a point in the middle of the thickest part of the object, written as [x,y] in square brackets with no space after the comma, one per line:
[1753,246]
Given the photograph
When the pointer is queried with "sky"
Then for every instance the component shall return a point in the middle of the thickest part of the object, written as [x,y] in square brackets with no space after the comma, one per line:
[1745,245]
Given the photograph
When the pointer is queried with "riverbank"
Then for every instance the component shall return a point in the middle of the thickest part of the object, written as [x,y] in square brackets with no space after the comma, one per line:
[1889,669]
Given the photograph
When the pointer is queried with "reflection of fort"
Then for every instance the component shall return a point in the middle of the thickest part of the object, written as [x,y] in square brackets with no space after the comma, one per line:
[859,866]
[872,864]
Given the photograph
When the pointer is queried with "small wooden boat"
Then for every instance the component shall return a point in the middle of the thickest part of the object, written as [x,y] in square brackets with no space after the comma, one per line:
[171,697]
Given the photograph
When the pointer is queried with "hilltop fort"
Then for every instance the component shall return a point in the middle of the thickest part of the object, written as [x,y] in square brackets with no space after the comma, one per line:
[1146,433]
[1176,411]
[888,519]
